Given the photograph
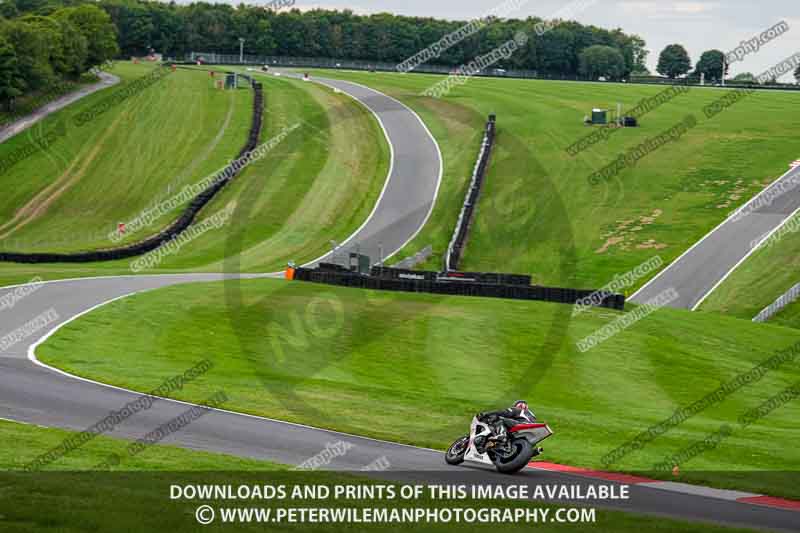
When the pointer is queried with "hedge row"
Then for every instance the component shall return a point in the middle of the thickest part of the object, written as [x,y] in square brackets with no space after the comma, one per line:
[173,230]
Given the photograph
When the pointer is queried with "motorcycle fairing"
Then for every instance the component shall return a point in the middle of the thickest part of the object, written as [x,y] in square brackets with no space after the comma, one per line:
[472,452]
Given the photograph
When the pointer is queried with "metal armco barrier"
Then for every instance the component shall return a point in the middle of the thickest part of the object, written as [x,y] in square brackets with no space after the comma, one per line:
[459,239]
[476,288]
[775,307]
[176,228]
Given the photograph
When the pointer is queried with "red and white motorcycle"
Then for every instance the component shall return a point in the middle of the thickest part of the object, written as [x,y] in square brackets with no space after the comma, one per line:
[508,455]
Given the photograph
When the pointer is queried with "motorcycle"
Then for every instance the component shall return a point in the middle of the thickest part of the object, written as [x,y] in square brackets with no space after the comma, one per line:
[508,455]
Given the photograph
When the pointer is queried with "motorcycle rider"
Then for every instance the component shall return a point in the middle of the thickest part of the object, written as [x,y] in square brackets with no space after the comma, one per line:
[501,421]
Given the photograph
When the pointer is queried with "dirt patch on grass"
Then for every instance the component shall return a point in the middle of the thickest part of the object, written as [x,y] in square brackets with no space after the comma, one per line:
[732,195]
[626,234]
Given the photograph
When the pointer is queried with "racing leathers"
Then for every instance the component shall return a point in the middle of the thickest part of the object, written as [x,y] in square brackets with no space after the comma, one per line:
[501,421]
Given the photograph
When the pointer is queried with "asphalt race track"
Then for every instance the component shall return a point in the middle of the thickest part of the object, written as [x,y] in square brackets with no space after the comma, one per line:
[704,266]
[410,191]
[32,393]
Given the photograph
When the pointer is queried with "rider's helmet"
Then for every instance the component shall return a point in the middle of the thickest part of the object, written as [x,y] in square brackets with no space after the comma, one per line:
[521,404]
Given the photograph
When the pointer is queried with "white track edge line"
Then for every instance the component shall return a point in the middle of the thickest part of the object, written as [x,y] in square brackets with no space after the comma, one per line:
[391,168]
[441,165]
[33,359]
[727,219]
[32,348]
[746,256]
[385,182]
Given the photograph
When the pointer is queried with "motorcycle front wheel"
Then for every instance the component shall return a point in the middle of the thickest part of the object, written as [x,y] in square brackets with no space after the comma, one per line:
[456,452]
[516,460]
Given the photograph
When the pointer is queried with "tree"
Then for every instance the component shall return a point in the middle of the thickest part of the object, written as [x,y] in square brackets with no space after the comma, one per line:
[633,50]
[797,74]
[10,83]
[76,50]
[745,77]
[87,33]
[32,49]
[674,61]
[557,50]
[67,47]
[599,60]
[8,9]
[96,26]
[712,64]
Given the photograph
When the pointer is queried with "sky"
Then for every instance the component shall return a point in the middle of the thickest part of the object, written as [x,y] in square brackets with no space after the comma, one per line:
[699,25]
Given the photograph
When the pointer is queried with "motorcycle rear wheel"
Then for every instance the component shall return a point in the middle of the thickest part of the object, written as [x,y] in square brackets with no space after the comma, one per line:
[517,461]
[456,452]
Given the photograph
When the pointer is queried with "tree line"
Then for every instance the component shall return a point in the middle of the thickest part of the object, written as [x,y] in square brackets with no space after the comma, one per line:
[674,62]
[175,30]
[40,48]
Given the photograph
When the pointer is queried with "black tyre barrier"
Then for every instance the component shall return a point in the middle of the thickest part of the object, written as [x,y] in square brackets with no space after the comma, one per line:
[492,278]
[458,241]
[333,267]
[173,230]
[476,288]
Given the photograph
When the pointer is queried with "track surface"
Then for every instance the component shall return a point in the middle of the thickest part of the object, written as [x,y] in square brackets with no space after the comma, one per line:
[705,266]
[410,191]
[33,393]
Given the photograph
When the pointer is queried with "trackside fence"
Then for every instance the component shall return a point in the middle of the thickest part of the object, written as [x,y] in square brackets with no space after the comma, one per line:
[425,282]
[459,239]
[173,230]
[493,278]
[775,307]
[213,58]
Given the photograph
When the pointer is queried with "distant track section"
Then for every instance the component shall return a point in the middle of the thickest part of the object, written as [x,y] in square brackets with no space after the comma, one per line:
[410,190]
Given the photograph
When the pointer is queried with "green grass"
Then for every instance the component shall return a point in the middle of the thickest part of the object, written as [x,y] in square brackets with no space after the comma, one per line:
[114,166]
[23,443]
[789,316]
[136,496]
[413,368]
[760,280]
[538,214]
[319,184]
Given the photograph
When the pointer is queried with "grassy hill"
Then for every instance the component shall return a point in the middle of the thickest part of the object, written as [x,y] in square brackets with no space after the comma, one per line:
[539,214]
[69,196]
[320,183]
[414,368]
